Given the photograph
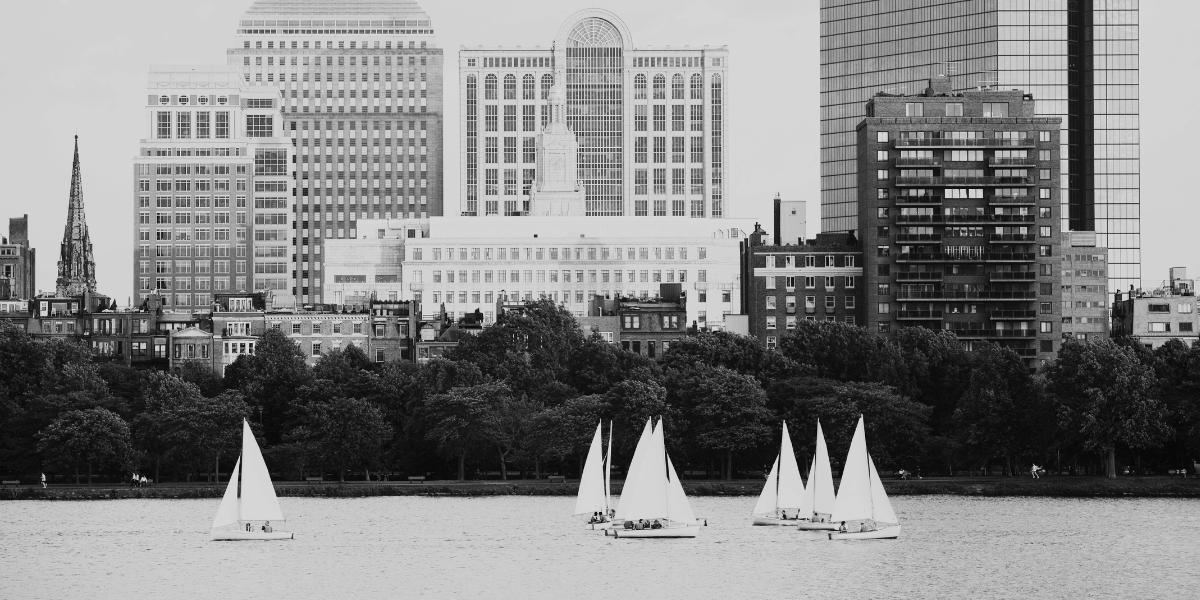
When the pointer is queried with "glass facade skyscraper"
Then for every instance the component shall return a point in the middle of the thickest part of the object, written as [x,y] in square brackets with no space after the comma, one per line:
[1079,59]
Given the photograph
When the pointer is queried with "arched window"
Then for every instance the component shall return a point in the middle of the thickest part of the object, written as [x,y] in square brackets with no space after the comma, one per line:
[510,87]
[697,87]
[660,87]
[547,83]
[639,87]
[677,87]
[489,87]
[528,88]
[471,87]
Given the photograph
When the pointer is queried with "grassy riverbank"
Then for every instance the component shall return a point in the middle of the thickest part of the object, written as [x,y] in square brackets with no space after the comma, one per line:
[1067,487]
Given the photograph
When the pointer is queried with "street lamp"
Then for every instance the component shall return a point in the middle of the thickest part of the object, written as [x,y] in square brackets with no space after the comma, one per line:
[259,414]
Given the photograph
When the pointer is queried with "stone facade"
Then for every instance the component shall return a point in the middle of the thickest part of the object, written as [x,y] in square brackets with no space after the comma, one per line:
[1084,287]
[76,265]
[18,262]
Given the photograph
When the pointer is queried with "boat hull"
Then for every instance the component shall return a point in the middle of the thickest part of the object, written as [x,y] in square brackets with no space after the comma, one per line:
[769,521]
[598,526]
[666,532]
[810,526]
[238,535]
[887,533]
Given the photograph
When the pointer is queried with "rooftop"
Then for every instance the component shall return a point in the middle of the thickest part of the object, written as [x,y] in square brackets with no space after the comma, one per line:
[342,8]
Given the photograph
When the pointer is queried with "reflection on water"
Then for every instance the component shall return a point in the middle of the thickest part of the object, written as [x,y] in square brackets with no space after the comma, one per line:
[529,547]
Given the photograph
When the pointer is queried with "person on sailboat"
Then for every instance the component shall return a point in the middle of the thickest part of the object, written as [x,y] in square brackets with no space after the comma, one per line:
[267,528]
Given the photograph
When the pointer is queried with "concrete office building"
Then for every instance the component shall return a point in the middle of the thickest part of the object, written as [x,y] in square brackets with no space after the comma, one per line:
[959,219]
[1078,59]
[213,192]
[1157,316]
[18,262]
[1084,287]
[467,264]
[652,123]
[361,89]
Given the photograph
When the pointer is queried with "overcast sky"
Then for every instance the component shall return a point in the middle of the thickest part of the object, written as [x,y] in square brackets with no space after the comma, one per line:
[80,67]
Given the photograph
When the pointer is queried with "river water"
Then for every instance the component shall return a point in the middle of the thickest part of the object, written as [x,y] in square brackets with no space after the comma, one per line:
[530,547]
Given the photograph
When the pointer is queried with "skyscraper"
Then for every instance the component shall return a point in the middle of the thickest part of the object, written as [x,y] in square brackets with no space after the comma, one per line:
[76,265]
[652,123]
[213,189]
[361,86]
[1078,58]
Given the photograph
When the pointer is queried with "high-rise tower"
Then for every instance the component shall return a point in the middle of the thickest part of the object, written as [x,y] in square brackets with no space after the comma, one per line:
[361,89]
[1078,58]
[76,266]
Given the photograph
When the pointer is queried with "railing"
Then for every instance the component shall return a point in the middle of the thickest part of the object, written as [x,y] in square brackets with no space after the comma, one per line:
[1009,315]
[919,218]
[1012,162]
[995,199]
[953,295]
[965,143]
[919,315]
[923,199]
[985,218]
[918,276]
[918,237]
[993,333]
[918,162]
[1009,256]
[1026,352]
[975,180]
[1012,276]
[999,238]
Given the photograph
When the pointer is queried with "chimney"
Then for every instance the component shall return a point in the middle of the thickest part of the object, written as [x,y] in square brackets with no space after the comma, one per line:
[939,85]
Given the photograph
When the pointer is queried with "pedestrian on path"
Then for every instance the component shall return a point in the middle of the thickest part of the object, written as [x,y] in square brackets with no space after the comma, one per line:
[1034,472]
[43,481]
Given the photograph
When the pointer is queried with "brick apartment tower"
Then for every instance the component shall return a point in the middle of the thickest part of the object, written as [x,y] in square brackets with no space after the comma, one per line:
[958,202]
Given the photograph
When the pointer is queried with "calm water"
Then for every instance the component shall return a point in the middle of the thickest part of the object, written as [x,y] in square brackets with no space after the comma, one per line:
[529,547]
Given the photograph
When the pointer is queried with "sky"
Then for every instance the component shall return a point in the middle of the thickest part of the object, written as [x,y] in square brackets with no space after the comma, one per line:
[79,67]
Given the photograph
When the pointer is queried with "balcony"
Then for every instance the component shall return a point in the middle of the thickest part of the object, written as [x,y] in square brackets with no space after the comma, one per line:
[988,218]
[918,162]
[993,333]
[1009,257]
[1010,238]
[1012,315]
[956,295]
[1026,142]
[912,257]
[1012,276]
[1012,200]
[1012,162]
[918,276]
[922,199]
[912,238]
[919,218]
[1026,352]
[918,315]
[982,180]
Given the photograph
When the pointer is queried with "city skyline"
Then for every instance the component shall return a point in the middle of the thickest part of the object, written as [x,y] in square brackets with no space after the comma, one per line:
[776,149]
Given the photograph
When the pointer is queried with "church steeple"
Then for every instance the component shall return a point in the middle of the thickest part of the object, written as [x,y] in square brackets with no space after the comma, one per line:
[76,267]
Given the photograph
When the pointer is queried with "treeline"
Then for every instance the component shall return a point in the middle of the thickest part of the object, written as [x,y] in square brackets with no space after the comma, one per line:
[525,395]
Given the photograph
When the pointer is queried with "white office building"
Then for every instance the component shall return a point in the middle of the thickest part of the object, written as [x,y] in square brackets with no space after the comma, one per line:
[652,123]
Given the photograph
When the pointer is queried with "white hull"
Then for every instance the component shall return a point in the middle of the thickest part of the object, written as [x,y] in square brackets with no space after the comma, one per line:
[598,526]
[776,521]
[239,535]
[887,533]
[687,531]
[810,526]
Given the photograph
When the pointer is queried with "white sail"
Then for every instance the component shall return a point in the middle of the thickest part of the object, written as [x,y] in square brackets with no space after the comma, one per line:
[767,500]
[791,486]
[819,492]
[608,471]
[853,502]
[881,507]
[227,513]
[631,476]
[258,494]
[645,494]
[591,482]
[678,507]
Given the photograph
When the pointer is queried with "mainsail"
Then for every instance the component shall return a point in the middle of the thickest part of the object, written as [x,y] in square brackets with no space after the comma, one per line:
[640,452]
[591,484]
[861,495]
[818,494]
[258,493]
[791,486]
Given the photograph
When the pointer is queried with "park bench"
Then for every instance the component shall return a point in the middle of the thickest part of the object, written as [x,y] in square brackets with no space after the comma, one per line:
[13,482]
[314,479]
[416,479]
[557,478]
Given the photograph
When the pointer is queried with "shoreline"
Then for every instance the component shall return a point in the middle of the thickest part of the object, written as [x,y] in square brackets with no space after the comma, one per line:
[1061,487]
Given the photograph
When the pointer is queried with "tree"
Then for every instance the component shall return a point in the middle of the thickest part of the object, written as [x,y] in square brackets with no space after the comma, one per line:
[513,418]
[201,430]
[343,366]
[160,395]
[739,353]
[725,411]
[562,431]
[463,419]
[270,378]
[842,352]
[1178,373]
[346,433]
[1001,412]
[201,375]
[596,365]
[630,404]
[95,437]
[1107,395]
[525,347]
[936,370]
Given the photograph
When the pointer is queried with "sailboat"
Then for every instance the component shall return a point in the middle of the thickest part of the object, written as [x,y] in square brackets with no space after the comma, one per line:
[862,498]
[784,490]
[817,504]
[257,501]
[653,503]
[594,483]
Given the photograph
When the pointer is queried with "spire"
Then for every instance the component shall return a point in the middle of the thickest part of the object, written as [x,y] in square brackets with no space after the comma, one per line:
[76,267]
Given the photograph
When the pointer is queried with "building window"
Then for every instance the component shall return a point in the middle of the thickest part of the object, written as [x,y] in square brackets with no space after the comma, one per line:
[1043,136]
[1185,327]
[1046,327]
[884,308]
[1044,231]
[772,342]
[771,322]
[881,137]
[316,349]
[995,110]
[954,109]
[881,175]
[914,109]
